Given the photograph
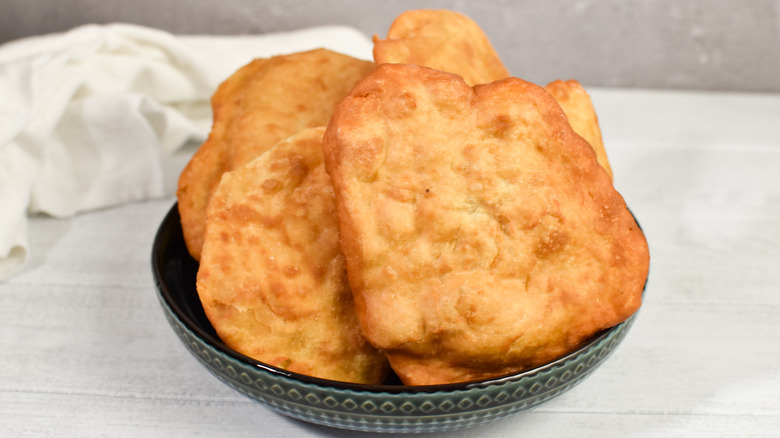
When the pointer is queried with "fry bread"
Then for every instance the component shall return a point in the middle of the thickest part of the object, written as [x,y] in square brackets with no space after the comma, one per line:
[272,279]
[480,234]
[578,107]
[259,105]
[443,40]
[451,42]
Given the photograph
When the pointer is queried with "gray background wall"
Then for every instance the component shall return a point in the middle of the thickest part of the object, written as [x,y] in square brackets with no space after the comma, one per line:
[699,44]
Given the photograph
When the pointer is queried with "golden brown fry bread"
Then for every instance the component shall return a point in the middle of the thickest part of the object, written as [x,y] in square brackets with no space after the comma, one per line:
[578,108]
[443,40]
[448,41]
[480,234]
[272,279]
[259,105]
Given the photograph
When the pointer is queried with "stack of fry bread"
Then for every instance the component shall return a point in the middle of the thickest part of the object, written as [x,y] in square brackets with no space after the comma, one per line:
[425,213]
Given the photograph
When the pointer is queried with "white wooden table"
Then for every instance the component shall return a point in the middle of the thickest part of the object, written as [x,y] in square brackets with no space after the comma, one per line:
[85,350]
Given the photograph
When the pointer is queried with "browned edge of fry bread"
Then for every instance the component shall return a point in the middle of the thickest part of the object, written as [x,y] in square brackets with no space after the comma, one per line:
[443,40]
[261,104]
[578,107]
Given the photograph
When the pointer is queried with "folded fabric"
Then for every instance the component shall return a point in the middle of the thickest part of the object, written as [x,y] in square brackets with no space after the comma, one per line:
[92,117]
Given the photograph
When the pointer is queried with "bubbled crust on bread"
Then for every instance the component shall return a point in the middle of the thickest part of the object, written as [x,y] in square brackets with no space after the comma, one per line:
[444,40]
[480,233]
[272,279]
[260,104]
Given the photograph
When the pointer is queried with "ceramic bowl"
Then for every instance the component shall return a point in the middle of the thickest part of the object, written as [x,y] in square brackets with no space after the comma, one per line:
[390,407]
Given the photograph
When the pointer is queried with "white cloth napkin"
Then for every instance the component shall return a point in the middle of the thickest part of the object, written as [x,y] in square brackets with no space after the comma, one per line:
[92,117]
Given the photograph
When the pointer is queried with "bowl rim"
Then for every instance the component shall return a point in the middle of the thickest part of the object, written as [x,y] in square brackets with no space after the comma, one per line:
[172,218]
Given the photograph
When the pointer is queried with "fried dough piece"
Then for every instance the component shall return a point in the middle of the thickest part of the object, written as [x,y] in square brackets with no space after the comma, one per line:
[451,42]
[444,40]
[260,104]
[481,236]
[578,107]
[272,279]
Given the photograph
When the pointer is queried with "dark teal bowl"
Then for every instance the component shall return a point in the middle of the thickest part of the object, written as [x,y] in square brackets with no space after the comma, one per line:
[390,407]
